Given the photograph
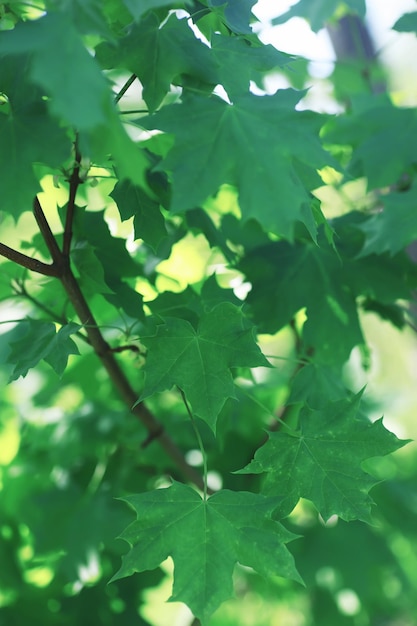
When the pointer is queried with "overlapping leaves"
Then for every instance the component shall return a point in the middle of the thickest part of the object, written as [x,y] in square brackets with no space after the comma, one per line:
[260,144]
[287,278]
[81,99]
[39,341]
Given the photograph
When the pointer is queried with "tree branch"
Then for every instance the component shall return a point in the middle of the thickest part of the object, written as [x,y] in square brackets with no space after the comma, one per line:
[120,382]
[48,236]
[74,183]
[105,354]
[26,261]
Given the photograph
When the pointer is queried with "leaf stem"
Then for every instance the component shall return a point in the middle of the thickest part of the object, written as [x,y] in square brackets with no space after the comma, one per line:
[199,441]
[125,87]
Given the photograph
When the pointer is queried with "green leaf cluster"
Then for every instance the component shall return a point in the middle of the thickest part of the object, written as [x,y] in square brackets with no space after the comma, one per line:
[186,292]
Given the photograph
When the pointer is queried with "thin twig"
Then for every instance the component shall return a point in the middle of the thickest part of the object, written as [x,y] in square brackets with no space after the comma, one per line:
[48,237]
[28,262]
[104,352]
[20,290]
[74,183]
[131,346]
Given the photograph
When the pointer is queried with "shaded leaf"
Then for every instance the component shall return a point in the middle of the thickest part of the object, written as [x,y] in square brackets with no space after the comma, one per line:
[41,341]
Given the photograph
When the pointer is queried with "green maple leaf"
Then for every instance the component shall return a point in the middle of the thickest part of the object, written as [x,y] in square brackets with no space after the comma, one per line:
[318,12]
[395,227]
[259,144]
[205,540]
[40,340]
[199,360]
[161,55]
[322,460]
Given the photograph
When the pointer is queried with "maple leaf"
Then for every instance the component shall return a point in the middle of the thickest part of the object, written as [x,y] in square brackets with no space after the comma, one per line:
[319,11]
[41,341]
[259,144]
[205,538]
[322,460]
[199,360]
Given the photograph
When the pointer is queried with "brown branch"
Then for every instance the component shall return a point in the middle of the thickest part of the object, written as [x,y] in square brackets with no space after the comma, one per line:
[119,380]
[105,354]
[74,183]
[28,262]
[48,236]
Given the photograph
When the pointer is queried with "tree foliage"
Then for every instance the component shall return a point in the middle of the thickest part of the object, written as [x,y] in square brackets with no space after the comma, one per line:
[181,304]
